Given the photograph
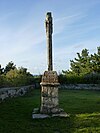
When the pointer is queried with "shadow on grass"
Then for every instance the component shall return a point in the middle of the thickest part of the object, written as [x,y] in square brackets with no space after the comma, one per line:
[16,117]
[16,114]
[55,125]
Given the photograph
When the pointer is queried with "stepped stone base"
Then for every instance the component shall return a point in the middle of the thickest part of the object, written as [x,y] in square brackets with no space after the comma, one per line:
[43,116]
[37,115]
[49,98]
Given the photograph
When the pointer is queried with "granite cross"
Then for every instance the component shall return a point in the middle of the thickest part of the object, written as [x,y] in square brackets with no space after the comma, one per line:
[49,31]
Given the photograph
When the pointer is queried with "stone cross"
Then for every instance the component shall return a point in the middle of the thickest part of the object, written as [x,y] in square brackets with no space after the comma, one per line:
[49,31]
[49,84]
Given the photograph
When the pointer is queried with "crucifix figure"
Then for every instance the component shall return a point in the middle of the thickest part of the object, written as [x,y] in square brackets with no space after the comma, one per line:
[49,31]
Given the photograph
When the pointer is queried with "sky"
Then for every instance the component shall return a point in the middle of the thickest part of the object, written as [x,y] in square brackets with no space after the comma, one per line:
[76,25]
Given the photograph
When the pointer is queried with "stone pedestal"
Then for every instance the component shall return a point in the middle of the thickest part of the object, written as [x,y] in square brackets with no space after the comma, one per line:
[49,93]
[49,84]
[49,98]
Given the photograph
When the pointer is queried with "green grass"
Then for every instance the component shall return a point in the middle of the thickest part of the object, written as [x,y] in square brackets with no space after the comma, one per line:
[82,105]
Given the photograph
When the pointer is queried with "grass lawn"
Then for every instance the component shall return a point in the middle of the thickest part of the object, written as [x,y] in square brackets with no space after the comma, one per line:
[82,105]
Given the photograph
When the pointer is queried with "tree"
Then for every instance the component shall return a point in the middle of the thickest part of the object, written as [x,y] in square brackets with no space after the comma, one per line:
[82,64]
[95,61]
[13,76]
[19,77]
[85,68]
[9,66]
[23,70]
[1,70]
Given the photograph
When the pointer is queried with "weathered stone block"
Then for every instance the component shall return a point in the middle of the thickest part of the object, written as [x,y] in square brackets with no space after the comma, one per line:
[49,92]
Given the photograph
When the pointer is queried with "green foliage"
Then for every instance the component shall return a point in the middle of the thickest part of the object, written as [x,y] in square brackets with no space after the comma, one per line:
[82,64]
[1,80]
[9,66]
[19,77]
[13,76]
[84,69]
[1,70]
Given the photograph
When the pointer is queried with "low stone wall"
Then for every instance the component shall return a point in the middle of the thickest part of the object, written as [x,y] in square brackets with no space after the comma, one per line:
[81,86]
[14,91]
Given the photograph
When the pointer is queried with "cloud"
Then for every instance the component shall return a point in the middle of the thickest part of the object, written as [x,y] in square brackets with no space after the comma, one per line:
[20,40]
[22,43]
[63,23]
[68,18]
[23,39]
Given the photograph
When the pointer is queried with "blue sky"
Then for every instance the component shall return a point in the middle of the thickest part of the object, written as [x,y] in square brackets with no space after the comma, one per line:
[76,25]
